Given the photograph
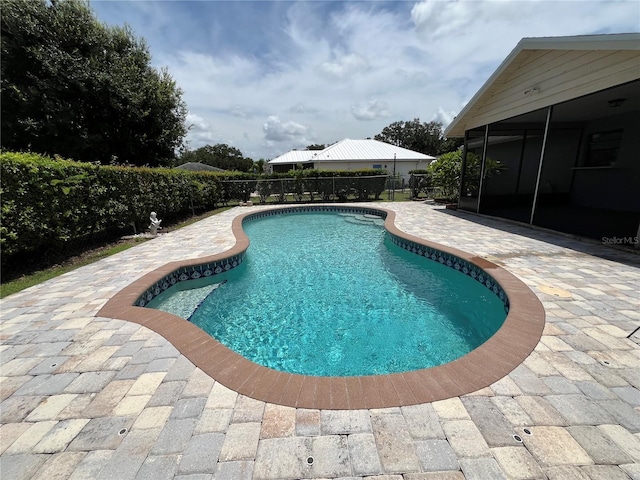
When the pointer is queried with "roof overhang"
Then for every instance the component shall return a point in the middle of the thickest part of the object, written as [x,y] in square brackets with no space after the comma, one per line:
[540,72]
[293,157]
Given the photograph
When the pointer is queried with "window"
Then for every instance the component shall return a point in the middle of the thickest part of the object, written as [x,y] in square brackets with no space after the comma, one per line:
[377,166]
[603,148]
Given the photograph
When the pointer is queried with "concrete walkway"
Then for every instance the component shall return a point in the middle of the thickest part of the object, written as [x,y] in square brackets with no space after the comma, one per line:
[85,397]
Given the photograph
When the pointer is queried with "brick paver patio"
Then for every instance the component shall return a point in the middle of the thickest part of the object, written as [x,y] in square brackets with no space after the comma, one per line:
[86,397]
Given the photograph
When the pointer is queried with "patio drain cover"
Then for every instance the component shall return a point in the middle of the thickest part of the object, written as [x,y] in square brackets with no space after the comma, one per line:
[555,291]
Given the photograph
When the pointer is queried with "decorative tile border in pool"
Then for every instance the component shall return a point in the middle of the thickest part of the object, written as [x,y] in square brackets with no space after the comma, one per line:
[455,262]
[494,359]
[314,209]
[188,273]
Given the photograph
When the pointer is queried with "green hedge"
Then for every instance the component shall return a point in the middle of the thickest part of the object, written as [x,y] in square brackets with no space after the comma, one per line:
[52,205]
[48,204]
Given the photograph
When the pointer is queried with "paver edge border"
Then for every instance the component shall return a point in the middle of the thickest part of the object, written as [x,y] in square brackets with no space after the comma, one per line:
[491,361]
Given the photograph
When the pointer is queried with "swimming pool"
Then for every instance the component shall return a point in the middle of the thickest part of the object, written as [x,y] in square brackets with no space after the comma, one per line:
[506,349]
[330,294]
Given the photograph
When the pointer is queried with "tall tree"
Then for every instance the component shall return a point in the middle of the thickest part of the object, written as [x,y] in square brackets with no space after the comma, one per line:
[220,155]
[77,88]
[425,137]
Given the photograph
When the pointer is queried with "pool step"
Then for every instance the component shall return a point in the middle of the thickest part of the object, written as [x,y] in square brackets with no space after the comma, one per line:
[365,219]
[213,287]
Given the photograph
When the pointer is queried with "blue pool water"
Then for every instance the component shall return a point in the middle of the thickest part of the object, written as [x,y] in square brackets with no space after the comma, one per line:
[330,294]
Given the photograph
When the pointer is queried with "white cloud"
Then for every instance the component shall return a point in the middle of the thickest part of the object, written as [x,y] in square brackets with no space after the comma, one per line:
[302,108]
[212,71]
[465,36]
[348,68]
[197,123]
[277,131]
[344,67]
[443,18]
[200,131]
[444,117]
[238,111]
[372,110]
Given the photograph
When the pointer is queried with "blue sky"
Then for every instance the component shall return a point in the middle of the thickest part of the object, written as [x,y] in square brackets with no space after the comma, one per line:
[270,76]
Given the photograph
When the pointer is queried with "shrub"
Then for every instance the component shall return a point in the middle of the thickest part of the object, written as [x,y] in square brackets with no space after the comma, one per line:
[447,170]
[50,205]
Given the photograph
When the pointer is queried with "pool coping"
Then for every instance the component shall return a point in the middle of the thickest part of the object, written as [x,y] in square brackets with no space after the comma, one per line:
[491,361]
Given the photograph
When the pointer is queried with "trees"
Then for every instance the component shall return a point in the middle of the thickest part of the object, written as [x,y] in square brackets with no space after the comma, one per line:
[74,87]
[220,155]
[425,137]
[258,167]
[446,172]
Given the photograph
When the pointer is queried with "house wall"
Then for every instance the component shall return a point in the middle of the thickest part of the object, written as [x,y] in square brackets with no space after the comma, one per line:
[402,167]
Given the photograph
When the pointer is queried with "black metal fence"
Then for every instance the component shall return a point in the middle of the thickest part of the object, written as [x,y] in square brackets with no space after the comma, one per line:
[305,189]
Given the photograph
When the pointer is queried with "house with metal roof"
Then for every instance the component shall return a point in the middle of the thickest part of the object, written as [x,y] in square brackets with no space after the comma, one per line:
[562,115]
[291,161]
[351,154]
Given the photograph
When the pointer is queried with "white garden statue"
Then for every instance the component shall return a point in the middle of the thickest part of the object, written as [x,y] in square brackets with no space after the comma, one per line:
[155,224]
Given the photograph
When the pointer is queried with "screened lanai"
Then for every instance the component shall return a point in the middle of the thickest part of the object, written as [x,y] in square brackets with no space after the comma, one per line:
[571,165]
